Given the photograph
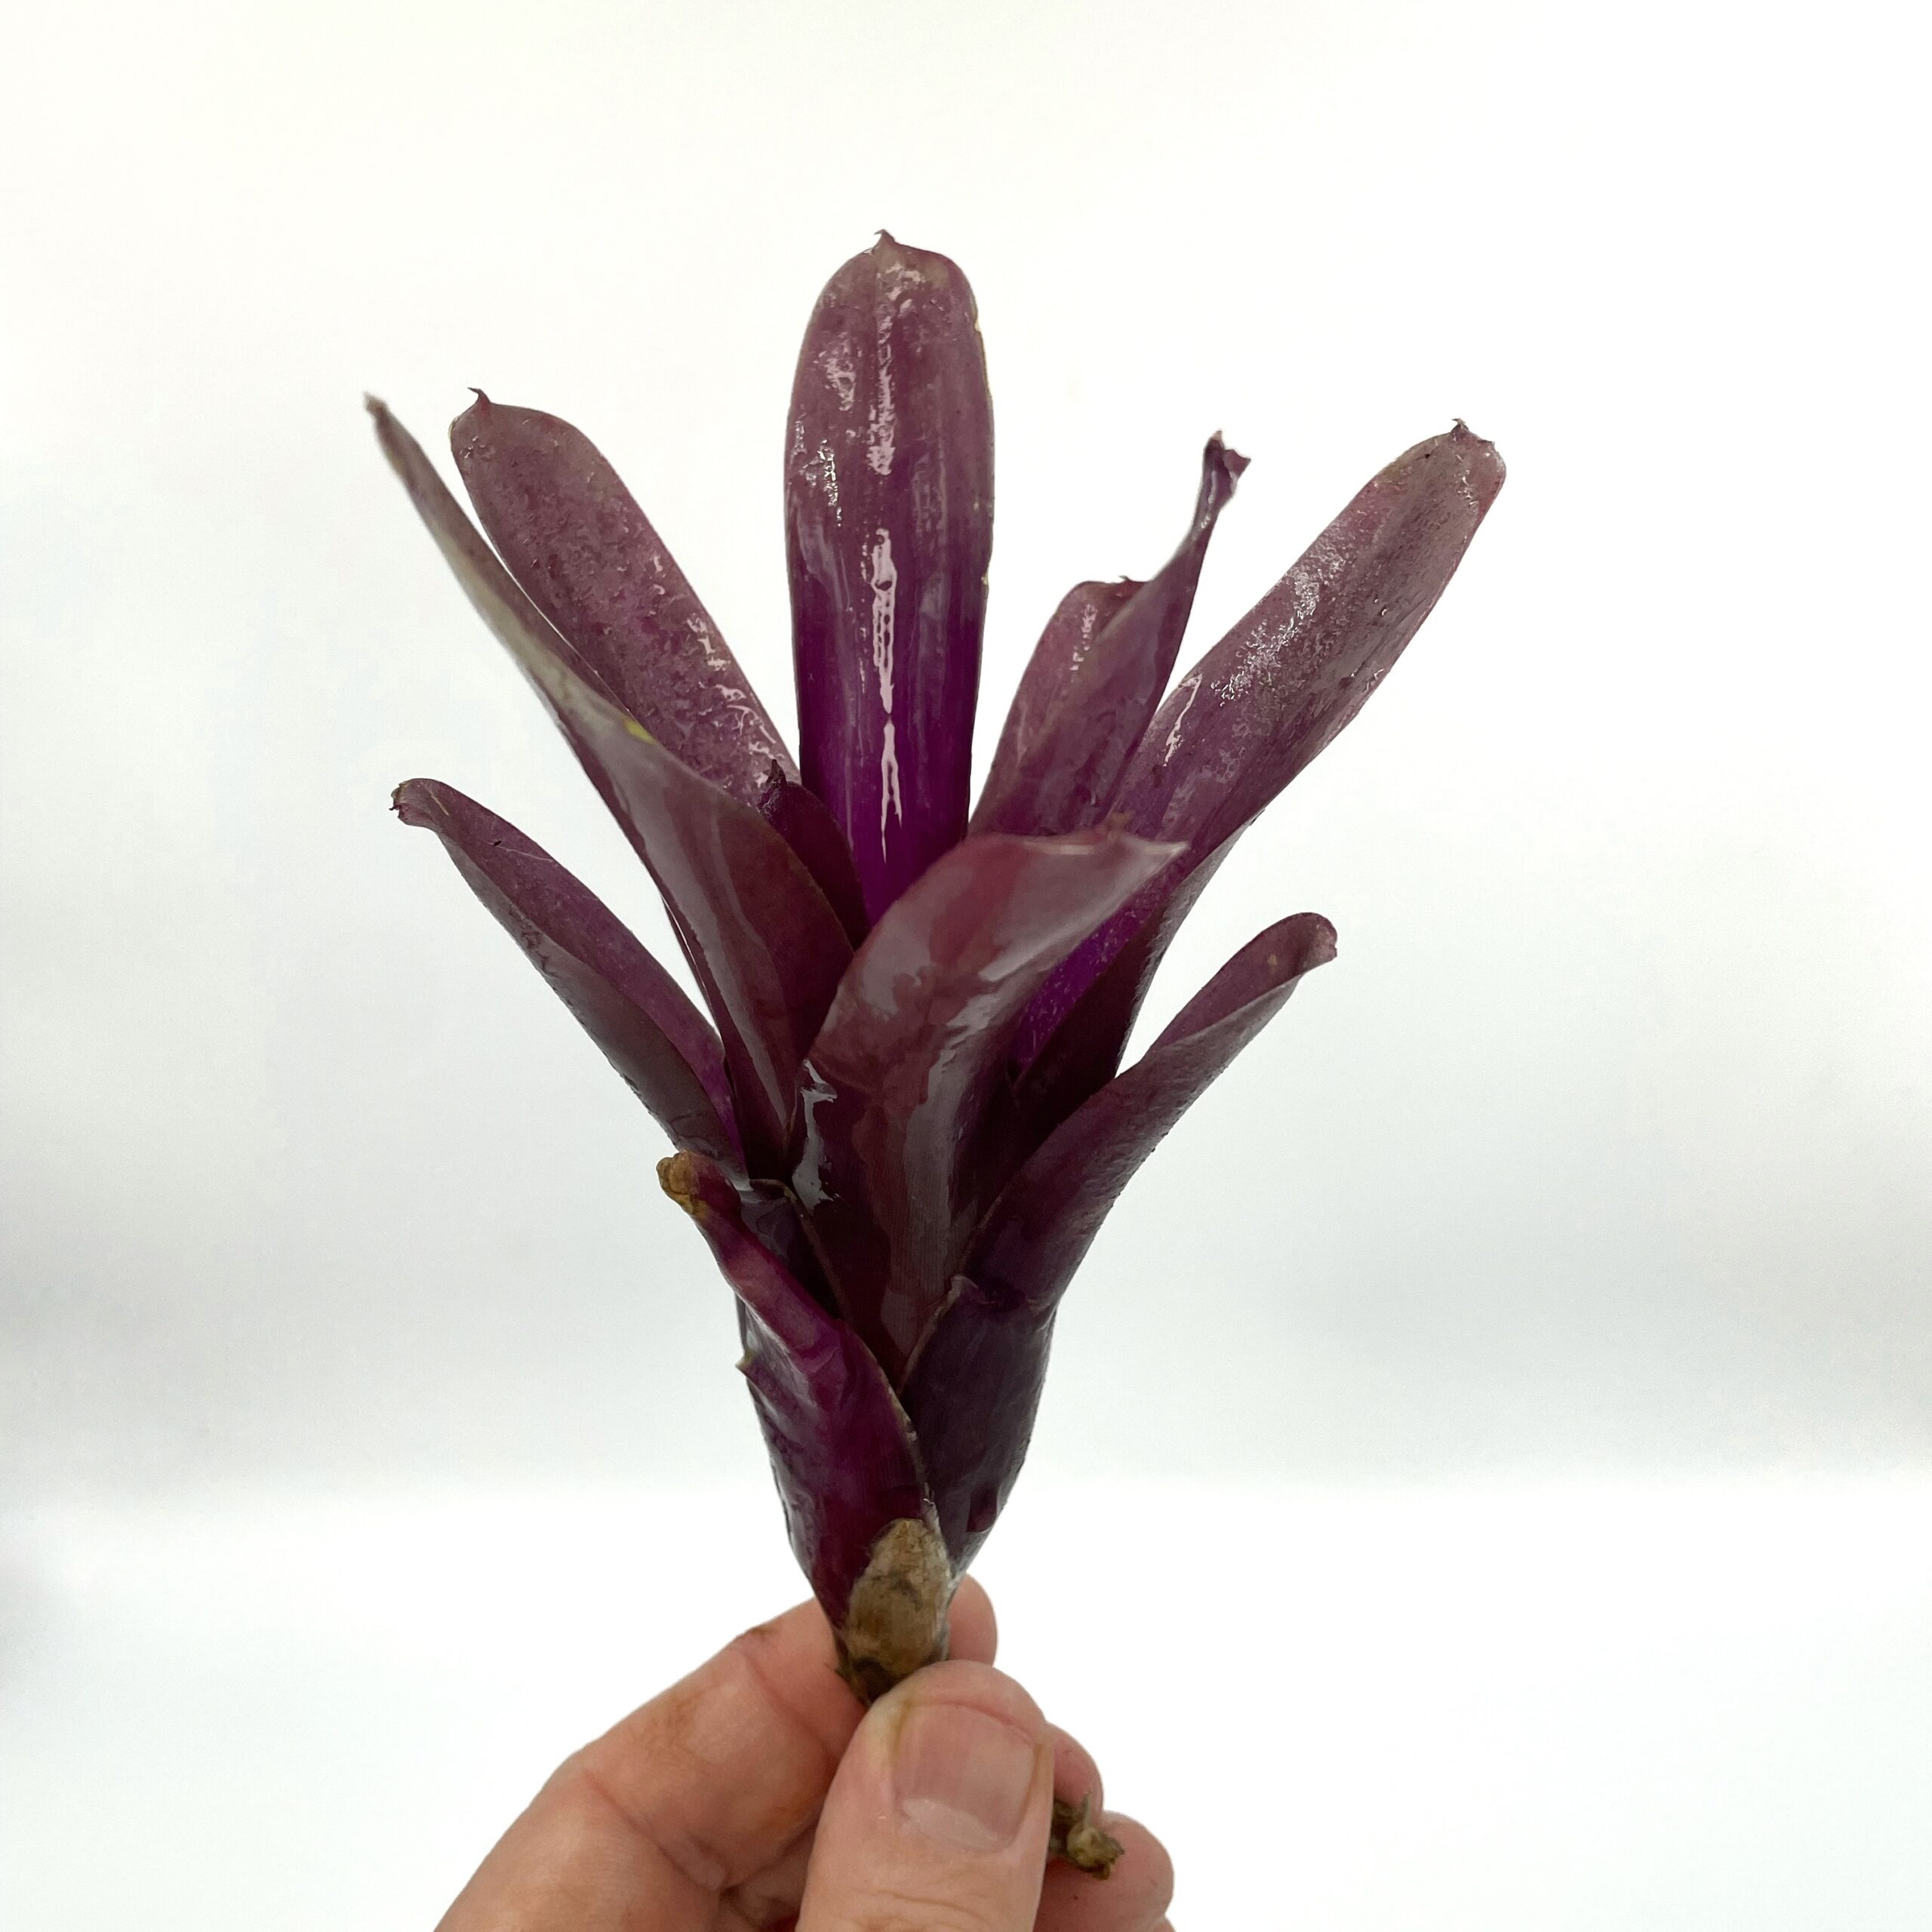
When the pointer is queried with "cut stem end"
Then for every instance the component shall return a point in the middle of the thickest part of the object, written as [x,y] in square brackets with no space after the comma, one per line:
[895,1623]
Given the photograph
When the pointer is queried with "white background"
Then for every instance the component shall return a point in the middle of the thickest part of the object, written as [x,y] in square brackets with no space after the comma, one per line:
[1554,1278]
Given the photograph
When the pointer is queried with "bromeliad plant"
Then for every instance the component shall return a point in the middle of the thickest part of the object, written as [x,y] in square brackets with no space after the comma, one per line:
[910,1121]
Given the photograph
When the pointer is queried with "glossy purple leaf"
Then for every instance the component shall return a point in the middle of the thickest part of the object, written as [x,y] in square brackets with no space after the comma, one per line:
[844,1457]
[1083,1054]
[903,1086]
[1268,697]
[803,822]
[766,948]
[660,1044]
[576,540]
[888,522]
[770,1213]
[1094,680]
[523,630]
[974,1384]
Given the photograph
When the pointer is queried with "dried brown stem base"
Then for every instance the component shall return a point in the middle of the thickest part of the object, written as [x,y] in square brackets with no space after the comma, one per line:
[895,1624]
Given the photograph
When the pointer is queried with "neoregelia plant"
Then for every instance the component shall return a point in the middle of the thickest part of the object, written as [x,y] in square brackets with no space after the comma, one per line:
[910,1121]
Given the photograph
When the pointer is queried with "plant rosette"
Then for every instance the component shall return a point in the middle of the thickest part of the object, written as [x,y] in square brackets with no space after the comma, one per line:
[905,1119]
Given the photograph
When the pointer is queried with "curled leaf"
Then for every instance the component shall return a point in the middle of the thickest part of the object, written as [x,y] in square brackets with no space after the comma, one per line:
[1266,700]
[638,1014]
[1094,680]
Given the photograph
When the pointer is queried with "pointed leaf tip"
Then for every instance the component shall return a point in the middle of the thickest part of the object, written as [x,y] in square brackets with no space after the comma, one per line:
[1232,460]
[1094,679]
[1254,711]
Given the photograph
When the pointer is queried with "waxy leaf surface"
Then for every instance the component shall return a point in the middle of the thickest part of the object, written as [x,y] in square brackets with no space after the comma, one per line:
[1274,691]
[838,1441]
[660,1044]
[888,520]
[1094,680]
[811,832]
[766,948]
[975,1384]
[575,539]
[905,1082]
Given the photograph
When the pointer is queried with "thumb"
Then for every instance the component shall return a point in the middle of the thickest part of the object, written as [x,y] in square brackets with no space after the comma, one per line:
[938,1812]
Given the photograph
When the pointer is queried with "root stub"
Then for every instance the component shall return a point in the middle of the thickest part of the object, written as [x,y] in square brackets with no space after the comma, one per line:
[895,1624]
[1079,1841]
[896,1621]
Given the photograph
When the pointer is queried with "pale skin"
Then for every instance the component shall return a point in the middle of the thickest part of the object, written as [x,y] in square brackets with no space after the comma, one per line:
[756,1794]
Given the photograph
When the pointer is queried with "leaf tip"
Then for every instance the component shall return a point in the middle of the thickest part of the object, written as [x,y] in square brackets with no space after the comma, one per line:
[678,1175]
[1482,463]
[469,428]
[1230,462]
[414,801]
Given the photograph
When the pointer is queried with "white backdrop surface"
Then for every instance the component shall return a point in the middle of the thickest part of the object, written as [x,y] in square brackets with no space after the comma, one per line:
[1601,1157]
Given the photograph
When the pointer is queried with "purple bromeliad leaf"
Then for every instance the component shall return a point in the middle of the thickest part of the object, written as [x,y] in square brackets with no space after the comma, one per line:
[517,625]
[1094,681]
[848,1472]
[1081,1055]
[575,539]
[1260,706]
[766,948]
[900,1154]
[1276,690]
[662,1047]
[811,832]
[888,522]
[975,1383]
[903,1086]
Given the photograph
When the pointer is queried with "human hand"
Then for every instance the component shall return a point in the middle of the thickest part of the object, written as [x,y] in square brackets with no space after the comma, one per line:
[756,1794]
